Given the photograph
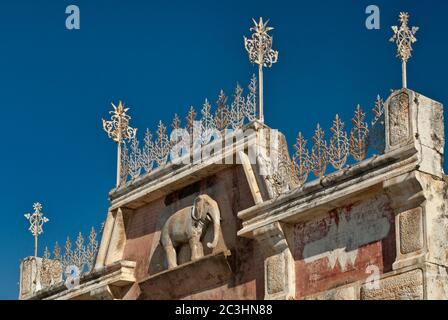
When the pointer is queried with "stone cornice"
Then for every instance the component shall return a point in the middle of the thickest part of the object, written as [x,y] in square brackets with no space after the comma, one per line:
[326,194]
[172,177]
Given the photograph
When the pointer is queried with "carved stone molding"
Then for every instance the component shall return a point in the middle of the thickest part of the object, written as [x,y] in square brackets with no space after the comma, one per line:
[399,120]
[278,261]
[405,286]
[29,276]
[413,119]
[425,281]
[411,231]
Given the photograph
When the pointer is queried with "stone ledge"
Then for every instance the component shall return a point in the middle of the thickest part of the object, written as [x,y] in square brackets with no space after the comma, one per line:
[118,274]
[339,293]
[404,286]
[409,283]
[207,272]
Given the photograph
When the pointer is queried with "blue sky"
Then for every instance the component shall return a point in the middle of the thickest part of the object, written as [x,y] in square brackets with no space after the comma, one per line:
[160,57]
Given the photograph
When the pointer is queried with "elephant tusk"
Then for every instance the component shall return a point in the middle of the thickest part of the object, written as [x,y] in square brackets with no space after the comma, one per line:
[210,245]
[213,244]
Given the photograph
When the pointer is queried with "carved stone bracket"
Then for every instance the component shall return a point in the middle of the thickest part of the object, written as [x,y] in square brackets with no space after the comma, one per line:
[407,198]
[208,272]
[279,270]
[421,223]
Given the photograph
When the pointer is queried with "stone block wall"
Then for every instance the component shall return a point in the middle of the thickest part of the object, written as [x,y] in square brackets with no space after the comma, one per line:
[143,229]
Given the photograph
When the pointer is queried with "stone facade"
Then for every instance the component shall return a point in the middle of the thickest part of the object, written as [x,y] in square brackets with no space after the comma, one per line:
[374,230]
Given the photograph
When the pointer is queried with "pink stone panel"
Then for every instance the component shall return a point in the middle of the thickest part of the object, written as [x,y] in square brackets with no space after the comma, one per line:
[336,249]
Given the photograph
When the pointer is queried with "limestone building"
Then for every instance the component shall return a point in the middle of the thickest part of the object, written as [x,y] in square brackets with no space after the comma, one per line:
[357,214]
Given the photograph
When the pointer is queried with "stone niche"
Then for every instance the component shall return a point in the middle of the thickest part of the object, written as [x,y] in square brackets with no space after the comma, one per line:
[230,270]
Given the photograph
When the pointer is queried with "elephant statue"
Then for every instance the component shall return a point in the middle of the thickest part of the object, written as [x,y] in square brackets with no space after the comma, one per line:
[188,225]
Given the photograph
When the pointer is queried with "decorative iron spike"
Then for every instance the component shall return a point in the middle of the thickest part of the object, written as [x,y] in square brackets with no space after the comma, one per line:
[319,153]
[191,118]
[301,160]
[57,251]
[91,250]
[339,145]
[237,109]
[250,110]
[222,113]
[67,260]
[135,159]
[92,236]
[47,253]
[147,156]
[176,122]
[377,132]
[79,241]
[359,135]
[207,123]
[378,109]
[161,146]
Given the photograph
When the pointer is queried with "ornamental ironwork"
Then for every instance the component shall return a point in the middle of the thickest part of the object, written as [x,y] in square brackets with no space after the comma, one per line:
[37,220]
[404,37]
[259,49]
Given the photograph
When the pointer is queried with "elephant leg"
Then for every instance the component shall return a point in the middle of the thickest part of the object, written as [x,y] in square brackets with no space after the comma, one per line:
[171,256]
[197,251]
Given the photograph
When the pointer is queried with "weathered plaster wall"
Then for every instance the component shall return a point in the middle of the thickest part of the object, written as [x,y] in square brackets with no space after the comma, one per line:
[230,190]
[338,248]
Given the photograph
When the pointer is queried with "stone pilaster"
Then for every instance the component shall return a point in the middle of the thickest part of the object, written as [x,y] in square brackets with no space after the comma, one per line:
[279,273]
[114,238]
[407,200]
[419,197]
[29,276]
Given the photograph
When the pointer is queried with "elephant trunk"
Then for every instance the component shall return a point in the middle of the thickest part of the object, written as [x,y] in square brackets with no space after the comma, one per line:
[216,219]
